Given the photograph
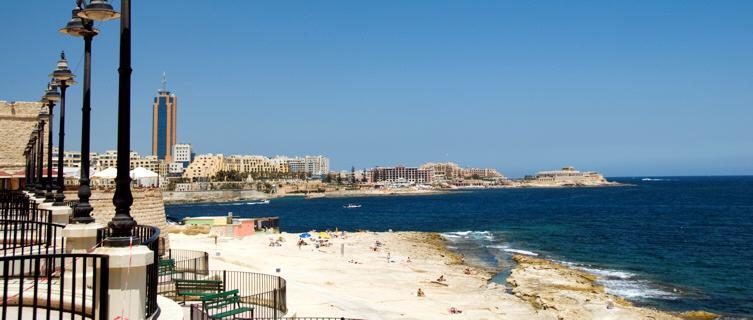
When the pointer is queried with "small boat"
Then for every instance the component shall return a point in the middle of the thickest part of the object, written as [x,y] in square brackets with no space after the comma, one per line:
[351,206]
[265,201]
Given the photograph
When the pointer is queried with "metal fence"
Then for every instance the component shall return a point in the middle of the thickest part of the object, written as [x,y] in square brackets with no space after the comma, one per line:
[190,261]
[55,286]
[21,237]
[18,206]
[266,294]
[147,236]
[197,314]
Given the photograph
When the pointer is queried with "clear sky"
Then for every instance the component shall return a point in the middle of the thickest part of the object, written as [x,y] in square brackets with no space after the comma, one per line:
[628,88]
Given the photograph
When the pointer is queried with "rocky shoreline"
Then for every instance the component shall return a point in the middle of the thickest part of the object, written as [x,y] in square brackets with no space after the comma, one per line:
[567,293]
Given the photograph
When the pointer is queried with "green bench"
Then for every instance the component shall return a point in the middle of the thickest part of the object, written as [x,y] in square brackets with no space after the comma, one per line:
[197,288]
[166,267]
[224,304]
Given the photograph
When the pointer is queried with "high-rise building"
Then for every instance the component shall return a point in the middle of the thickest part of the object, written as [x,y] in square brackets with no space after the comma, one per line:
[164,120]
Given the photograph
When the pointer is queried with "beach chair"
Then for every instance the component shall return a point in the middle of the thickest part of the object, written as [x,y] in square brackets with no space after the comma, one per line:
[224,304]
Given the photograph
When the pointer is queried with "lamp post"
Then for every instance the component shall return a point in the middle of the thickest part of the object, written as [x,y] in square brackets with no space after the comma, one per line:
[26,167]
[33,162]
[29,164]
[40,158]
[50,96]
[122,223]
[64,78]
[80,27]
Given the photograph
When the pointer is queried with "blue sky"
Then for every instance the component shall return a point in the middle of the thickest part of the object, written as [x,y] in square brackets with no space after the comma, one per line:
[623,87]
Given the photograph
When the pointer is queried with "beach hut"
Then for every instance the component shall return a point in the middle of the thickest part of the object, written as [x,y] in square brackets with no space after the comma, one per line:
[143,177]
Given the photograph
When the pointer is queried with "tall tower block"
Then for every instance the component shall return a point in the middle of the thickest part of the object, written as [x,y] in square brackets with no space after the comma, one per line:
[164,121]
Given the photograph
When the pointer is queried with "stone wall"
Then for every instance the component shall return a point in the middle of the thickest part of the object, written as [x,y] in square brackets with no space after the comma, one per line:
[213,196]
[148,207]
[17,121]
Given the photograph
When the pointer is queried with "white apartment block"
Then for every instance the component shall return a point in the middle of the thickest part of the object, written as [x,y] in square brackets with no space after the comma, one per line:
[314,165]
[182,153]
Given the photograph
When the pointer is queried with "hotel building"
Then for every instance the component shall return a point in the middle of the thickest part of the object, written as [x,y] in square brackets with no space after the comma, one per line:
[400,174]
[313,165]
[164,120]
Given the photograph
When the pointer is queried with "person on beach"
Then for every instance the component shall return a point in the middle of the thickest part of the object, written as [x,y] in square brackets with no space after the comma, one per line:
[420,293]
[408,261]
[388,257]
[441,279]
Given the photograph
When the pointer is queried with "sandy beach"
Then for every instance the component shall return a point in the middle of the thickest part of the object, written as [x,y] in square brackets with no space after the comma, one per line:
[383,283]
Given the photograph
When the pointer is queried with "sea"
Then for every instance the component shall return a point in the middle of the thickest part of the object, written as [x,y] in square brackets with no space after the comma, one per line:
[674,243]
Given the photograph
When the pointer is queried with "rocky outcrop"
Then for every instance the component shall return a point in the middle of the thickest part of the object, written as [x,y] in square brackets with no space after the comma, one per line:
[566,293]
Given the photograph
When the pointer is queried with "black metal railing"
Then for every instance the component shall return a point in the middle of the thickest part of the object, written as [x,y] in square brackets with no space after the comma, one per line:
[308,318]
[55,286]
[147,236]
[197,314]
[190,261]
[22,237]
[18,206]
[266,294]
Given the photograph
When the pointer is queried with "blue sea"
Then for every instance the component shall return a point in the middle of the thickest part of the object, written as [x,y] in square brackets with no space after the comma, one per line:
[675,243]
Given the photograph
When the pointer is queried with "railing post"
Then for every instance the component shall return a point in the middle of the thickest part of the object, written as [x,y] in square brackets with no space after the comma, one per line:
[127,280]
[224,280]
[274,308]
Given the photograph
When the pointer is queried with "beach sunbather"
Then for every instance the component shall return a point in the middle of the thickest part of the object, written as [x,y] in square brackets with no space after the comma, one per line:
[441,279]
[420,293]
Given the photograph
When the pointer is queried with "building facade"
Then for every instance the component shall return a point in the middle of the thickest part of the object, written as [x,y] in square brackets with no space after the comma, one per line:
[164,121]
[109,159]
[400,174]
[205,166]
[183,152]
[313,165]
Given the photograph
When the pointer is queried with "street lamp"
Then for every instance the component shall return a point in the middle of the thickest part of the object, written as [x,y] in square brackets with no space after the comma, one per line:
[122,223]
[63,77]
[50,96]
[32,178]
[40,158]
[29,156]
[98,10]
[82,27]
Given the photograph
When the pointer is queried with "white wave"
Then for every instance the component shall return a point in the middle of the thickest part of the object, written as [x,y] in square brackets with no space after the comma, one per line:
[498,246]
[609,274]
[525,252]
[654,179]
[635,289]
[474,235]
[625,284]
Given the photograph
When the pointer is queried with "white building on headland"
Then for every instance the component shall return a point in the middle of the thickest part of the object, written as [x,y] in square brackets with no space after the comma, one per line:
[567,176]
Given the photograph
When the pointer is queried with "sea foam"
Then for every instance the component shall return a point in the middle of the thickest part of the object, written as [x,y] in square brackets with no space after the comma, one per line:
[525,252]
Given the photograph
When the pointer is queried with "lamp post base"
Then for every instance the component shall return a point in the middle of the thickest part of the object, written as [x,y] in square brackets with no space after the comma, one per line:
[120,242]
[59,199]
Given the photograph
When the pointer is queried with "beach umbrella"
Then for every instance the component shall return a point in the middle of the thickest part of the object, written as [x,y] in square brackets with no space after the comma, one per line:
[304,235]
[324,235]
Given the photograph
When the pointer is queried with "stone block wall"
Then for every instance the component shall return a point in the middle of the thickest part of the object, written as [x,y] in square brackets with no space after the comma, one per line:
[17,121]
[148,207]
